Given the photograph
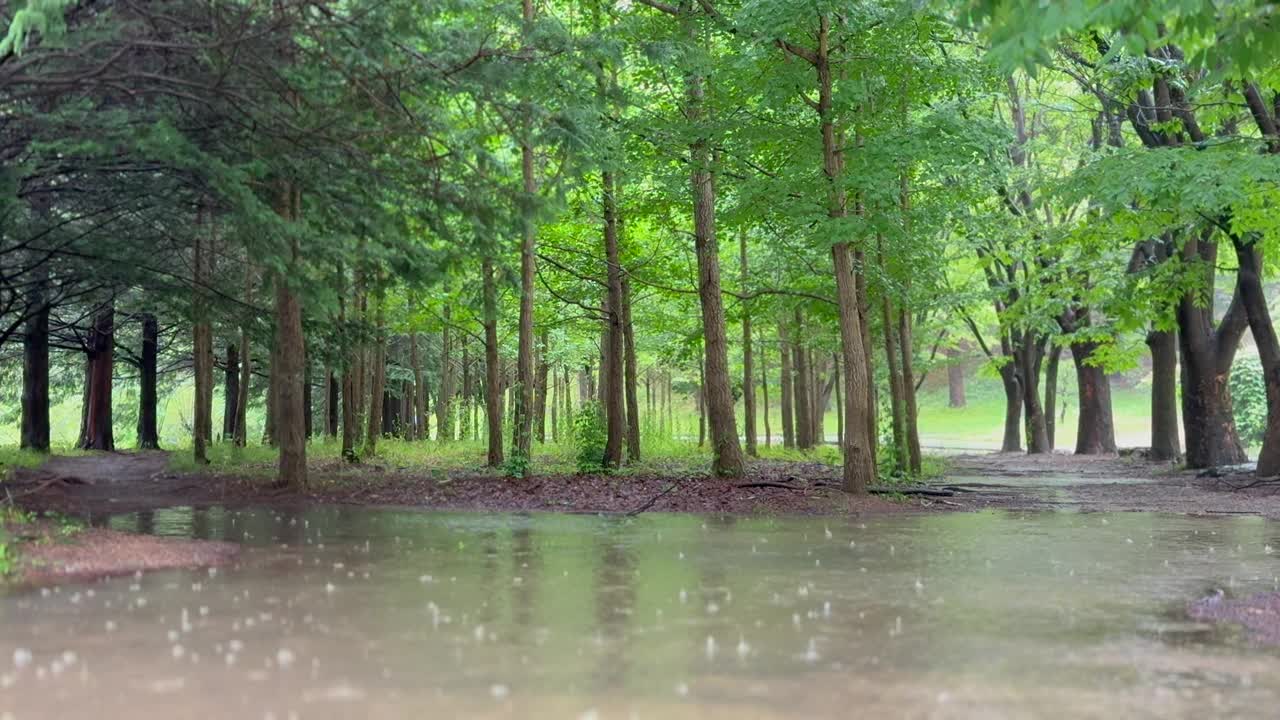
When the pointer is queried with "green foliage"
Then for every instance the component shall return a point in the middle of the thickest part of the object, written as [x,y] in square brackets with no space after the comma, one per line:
[589,437]
[1249,399]
[517,465]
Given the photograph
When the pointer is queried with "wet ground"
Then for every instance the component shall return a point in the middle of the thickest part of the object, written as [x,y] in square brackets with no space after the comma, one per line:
[356,612]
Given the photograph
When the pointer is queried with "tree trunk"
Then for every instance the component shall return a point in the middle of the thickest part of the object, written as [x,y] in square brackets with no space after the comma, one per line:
[416,404]
[629,372]
[835,364]
[1051,394]
[332,409]
[492,368]
[1030,355]
[1166,444]
[955,379]
[612,366]
[98,419]
[702,407]
[444,400]
[148,425]
[35,366]
[246,367]
[308,410]
[377,380]
[748,374]
[726,453]
[800,387]
[899,422]
[290,360]
[786,381]
[1011,380]
[522,400]
[906,343]
[1206,357]
[1095,429]
[764,394]
[540,391]
[202,341]
[1254,298]
[230,392]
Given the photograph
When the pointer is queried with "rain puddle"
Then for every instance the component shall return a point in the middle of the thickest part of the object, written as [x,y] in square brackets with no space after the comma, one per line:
[339,613]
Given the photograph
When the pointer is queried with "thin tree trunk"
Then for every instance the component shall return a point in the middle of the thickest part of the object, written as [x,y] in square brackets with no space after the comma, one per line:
[800,388]
[726,453]
[540,397]
[444,400]
[148,425]
[1011,380]
[246,366]
[230,392]
[835,362]
[1166,444]
[492,368]
[1030,355]
[521,444]
[611,374]
[290,360]
[415,362]
[901,461]
[764,394]
[98,420]
[332,408]
[748,374]
[955,379]
[787,381]
[629,373]
[202,340]
[906,343]
[377,380]
[1051,394]
[35,365]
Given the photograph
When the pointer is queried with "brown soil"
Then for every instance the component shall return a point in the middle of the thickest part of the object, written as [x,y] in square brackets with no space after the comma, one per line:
[107,483]
[97,552]
[96,485]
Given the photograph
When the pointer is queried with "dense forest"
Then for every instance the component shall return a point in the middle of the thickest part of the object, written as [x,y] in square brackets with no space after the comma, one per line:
[552,221]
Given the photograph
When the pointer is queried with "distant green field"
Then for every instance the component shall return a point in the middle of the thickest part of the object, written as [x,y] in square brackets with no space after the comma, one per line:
[978,425]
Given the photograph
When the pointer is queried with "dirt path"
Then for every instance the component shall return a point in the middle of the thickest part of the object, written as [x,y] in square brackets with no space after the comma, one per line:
[107,483]
[1113,484]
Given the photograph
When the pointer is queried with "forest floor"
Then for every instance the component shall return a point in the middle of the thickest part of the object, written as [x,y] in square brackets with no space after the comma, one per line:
[97,485]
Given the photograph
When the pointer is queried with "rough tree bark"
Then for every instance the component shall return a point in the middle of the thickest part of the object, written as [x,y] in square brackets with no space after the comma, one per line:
[202,339]
[800,394]
[629,372]
[230,391]
[35,365]
[726,453]
[98,418]
[611,368]
[748,371]
[906,343]
[1254,299]
[522,400]
[785,381]
[492,368]
[148,424]
[444,400]
[289,362]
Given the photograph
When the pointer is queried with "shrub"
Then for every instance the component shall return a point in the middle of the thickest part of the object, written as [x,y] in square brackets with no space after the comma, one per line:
[589,437]
[1249,399]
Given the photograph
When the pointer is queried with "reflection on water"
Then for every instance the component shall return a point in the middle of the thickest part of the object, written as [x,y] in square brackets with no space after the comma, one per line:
[344,612]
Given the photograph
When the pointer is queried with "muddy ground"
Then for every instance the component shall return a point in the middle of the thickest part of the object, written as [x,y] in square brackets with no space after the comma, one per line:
[107,483]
